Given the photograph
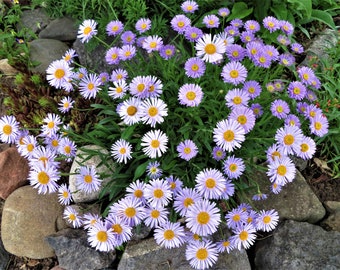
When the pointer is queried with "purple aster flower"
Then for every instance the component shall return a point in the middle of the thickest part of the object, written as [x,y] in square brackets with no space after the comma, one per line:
[234,73]
[253,48]
[227,40]
[218,153]
[244,236]
[267,220]
[276,188]
[233,167]
[279,85]
[272,52]
[319,125]
[224,245]
[302,107]
[193,33]
[236,98]
[186,198]
[307,148]
[224,12]
[112,56]
[259,197]
[152,43]
[155,87]
[253,88]
[292,120]
[232,30]
[118,74]
[286,59]
[270,87]
[297,48]
[271,23]
[311,96]
[189,6]
[139,86]
[158,193]
[153,170]
[312,111]
[126,52]
[187,150]
[194,67]
[247,36]
[143,25]
[176,185]
[170,235]
[201,254]
[283,39]
[281,171]
[104,77]
[289,139]
[286,27]
[252,26]
[236,23]
[280,108]
[273,152]
[89,86]
[190,95]
[114,28]
[167,51]
[297,90]
[128,37]
[262,59]
[179,23]
[136,190]
[244,116]
[236,218]
[306,75]
[211,21]
[257,109]
[87,30]
[210,48]
[210,183]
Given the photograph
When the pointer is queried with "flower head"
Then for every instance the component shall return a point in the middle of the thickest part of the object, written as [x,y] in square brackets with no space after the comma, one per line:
[233,167]
[44,178]
[179,23]
[211,21]
[152,43]
[319,125]
[114,28]
[121,151]
[169,235]
[280,108]
[155,216]
[64,195]
[289,139]
[237,98]
[101,237]
[72,216]
[89,86]
[210,183]
[158,193]
[119,89]
[130,111]
[267,220]
[153,170]
[210,49]
[66,104]
[201,254]
[190,95]
[244,236]
[87,179]
[234,73]
[187,150]
[121,230]
[218,153]
[87,30]
[253,88]
[153,111]
[189,6]
[167,51]
[194,67]
[154,143]
[271,23]
[185,198]
[281,170]
[9,129]
[143,25]
[58,73]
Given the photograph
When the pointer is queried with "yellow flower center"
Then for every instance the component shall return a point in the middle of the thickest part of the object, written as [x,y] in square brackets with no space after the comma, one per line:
[266,219]
[169,234]
[305,76]
[143,25]
[187,150]
[138,193]
[210,48]
[251,90]
[155,213]
[55,143]
[190,95]
[193,35]
[233,73]
[117,228]
[187,202]
[296,90]
[130,212]
[65,194]
[281,170]
[226,243]
[87,30]
[153,44]
[114,56]
[180,24]
[59,73]
[317,125]
[43,178]
[102,236]
[262,59]
[131,110]
[271,24]
[210,183]
[233,167]
[67,149]
[172,185]
[158,193]
[275,154]
[235,53]
[202,254]
[88,179]
[203,218]
[140,87]
[155,143]
[115,28]
[122,150]
[67,57]
[66,105]
[168,52]
[279,109]
[194,67]
[288,139]
[119,89]
[229,135]
[237,100]
[72,217]
[153,111]
[242,119]
[304,147]
[236,217]
[90,86]
[50,125]
[30,147]
[243,236]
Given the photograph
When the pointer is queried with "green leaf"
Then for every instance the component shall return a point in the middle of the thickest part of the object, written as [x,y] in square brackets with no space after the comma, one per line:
[323,16]
[140,170]
[280,11]
[304,6]
[240,10]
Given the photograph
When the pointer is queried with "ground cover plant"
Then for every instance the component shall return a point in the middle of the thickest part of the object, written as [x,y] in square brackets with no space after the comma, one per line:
[188,113]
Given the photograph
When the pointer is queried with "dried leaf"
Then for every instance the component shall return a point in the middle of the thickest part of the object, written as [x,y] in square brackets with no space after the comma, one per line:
[322,165]
[32,263]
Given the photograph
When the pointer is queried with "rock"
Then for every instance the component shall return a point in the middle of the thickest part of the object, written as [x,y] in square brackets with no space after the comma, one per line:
[296,201]
[45,51]
[14,171]
[82,159]
[332,222]
[147,254]
[33,19]
[4,257]
[6,68]
[63,29]
[57,267]
[299,245]
[27,218]
[74,253]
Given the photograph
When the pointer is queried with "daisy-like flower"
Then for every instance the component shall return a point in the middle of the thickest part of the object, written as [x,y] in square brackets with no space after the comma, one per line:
[233,167]
[236,23]
[203,218]
[130,111]
[118,90]
[65,104]
[201,254]
[286,27]
[307,148]
[128,37]
[44,178]
[44,156]
[104,77]
[121,151]
[244,116]
[153,111]
[306,75]
[279,85]
[122,231]
[210,183]
[224,246]
[252,26]
[186,198]
[157,193]
[52,122]
[262,59]
[286,59]
[224,12]
[175,183]
[187,150]
[267,220]
[87,179]
[53,143]
[69,56]
[270,87]
[118,74]
[64,195]
[271,23]
[112,56]
[281,171]
[272,52]
[193,33]
[155,216]
[143,25]
[101,237]
[218,153]
[273,152]
[67,148]
[189,6]
[257,109]
[153,170]
[127,52]
[89,86]
[136,190]
[289,139]
[72,216]
[167,51]
[210,49]
[232,31]
[236,98]
[227,40]
[90,219]
[190,95]
[58,73]
[87,30]
[152,43]
[319,125]
[27,148]
[114,28]
[154,87]
[253,88]
[259,197]
[154,143]
[235,52]
[228,134]
[297,90]
[194,67]
[297,48]
[129,209]
[9,129]
[311,96]
[253,48]
[276,188]
[312,111]
[280,108]
[283,39]
[247,36]
[170,235]
[302,107]
[244,236]
[139,86]
[234,73]
[236,218]
[292,120]
[179,23]
[211,21]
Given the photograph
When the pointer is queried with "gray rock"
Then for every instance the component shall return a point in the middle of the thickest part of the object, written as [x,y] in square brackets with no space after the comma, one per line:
[4,257]
[332,222]
[45,51]
[299,245]
[27,218]
[87,156]
[63,29]
[35,20]
[296,201]
[147,254]
[74,253]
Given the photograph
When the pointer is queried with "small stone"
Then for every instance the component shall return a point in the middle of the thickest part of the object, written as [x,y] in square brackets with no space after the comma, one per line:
[27,218]
[6,68]
[82,159]
[63,29]
[74,253]
[332,222]
[13,171]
